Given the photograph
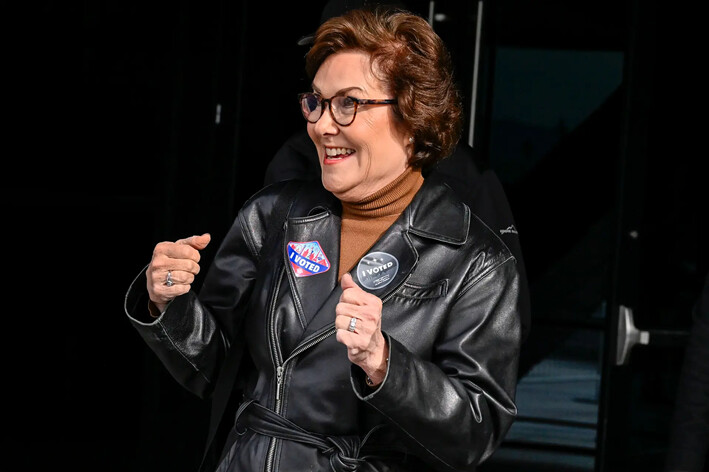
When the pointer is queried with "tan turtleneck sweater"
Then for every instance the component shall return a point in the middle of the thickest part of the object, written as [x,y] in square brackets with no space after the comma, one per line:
[365,221]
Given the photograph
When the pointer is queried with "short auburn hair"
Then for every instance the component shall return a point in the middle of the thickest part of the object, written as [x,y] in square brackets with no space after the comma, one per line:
[415,66]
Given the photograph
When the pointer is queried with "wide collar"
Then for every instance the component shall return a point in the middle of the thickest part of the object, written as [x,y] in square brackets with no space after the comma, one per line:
[435,212]
[312,246]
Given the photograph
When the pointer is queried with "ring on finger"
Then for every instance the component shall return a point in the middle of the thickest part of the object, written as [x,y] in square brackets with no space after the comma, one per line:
[353,325]
[168,280]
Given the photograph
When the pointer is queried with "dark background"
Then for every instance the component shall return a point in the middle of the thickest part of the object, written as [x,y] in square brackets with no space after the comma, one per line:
[113,145]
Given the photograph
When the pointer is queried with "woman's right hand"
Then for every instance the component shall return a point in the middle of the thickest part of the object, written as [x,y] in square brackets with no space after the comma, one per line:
[181,260]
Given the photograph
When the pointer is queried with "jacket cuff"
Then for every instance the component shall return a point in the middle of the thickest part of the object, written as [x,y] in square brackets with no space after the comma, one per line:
[138,305]
[137,300]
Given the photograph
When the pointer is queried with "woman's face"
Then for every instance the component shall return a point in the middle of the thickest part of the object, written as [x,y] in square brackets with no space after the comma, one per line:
[359,159]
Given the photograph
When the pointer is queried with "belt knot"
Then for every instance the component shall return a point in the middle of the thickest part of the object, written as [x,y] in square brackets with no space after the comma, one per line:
[343,451]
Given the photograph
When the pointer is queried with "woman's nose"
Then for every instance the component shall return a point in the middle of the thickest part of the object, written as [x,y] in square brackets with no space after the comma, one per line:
[326,125]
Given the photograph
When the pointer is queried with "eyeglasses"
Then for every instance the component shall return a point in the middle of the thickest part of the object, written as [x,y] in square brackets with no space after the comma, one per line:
[343,109]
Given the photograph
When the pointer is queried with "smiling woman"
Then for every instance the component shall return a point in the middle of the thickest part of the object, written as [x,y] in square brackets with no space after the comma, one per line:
[379,318]
[376,146]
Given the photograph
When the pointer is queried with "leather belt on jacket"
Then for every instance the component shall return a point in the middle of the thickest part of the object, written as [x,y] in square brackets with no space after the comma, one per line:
[345,452]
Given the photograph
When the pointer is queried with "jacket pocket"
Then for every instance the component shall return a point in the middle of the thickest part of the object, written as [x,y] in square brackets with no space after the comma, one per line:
[422,292]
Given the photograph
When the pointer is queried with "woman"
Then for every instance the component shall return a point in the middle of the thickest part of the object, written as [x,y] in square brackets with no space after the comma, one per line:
[378,316]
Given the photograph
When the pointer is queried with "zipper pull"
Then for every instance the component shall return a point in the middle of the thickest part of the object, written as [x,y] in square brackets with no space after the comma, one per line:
[279,379]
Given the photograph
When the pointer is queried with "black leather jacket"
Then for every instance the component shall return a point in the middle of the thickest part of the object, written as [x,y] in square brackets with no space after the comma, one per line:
[450,316]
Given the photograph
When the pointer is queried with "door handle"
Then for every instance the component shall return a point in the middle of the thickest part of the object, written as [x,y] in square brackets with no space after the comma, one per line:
[628,335]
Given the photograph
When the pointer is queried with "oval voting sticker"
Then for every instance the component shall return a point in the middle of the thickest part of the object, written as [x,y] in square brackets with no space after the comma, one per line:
[377,269]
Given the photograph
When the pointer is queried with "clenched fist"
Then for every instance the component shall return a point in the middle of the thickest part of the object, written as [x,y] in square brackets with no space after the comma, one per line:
[358,319]
[173,268]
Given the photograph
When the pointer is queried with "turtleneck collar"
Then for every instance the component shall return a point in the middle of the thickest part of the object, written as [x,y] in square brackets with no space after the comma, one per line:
[392,199]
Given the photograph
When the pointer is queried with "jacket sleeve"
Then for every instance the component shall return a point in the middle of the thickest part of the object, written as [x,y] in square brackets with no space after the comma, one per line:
[193,334]
[689,426]
[454,410]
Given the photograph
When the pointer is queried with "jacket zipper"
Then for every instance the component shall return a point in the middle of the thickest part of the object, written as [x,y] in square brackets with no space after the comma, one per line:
[280,387]
[276,354]
[280,370]
[281,365]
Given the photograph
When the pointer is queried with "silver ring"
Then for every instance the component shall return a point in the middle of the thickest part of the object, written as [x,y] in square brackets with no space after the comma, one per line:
[353,325]
[168,281]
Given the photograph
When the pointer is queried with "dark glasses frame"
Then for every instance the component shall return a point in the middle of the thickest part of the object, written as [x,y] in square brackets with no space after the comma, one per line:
[357,101]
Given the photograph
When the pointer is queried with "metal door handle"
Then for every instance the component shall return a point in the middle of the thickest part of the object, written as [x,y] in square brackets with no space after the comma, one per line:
[628,335]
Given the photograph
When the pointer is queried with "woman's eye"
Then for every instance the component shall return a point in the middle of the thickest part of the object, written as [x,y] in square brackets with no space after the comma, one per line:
[312,102]
[348,102]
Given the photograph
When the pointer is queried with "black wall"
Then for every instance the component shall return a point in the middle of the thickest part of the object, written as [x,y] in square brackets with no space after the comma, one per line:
[113,146]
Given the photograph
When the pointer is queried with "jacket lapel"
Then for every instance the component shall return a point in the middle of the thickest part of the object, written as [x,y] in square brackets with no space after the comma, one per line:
[380,271]
[311,254]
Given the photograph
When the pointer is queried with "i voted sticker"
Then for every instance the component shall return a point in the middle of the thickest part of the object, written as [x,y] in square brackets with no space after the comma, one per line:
[377,269]
[307,258]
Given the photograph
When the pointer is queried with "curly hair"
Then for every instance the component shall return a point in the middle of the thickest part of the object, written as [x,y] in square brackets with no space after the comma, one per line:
[413,63]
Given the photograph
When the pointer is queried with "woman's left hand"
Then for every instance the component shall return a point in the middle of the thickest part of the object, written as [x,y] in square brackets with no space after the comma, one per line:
[365,344]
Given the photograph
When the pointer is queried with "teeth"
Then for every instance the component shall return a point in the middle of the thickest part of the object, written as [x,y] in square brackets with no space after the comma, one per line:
[331,152]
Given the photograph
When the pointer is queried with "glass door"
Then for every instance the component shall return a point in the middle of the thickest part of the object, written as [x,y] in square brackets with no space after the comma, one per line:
[545,97]
[564,101]
[553,134]
[660,260]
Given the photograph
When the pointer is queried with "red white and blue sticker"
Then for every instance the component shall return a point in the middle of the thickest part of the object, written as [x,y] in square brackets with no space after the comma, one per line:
[377,269]
[307,258]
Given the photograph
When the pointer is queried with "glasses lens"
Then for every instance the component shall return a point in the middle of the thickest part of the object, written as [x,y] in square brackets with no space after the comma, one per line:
[344,109]
[310,105]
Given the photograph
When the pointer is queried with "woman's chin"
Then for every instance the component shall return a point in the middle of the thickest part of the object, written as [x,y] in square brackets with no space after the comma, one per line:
[343,192]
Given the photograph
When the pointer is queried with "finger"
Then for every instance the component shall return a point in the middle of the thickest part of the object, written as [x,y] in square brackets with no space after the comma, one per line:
[168,251]
[364,313]
[351,292]
[168,293]
[347,281]
[357,297]
[174,265]
[353,296]
[160,293]
[161,265]
[348,310]
[171,278]
[198,242]
[350,340]
[182,271]
[343,321]
[179,277]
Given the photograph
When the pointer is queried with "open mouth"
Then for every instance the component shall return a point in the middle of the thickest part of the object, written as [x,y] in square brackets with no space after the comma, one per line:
[338,152]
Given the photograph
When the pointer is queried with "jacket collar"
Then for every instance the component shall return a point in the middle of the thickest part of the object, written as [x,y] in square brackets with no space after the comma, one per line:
[436,212]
